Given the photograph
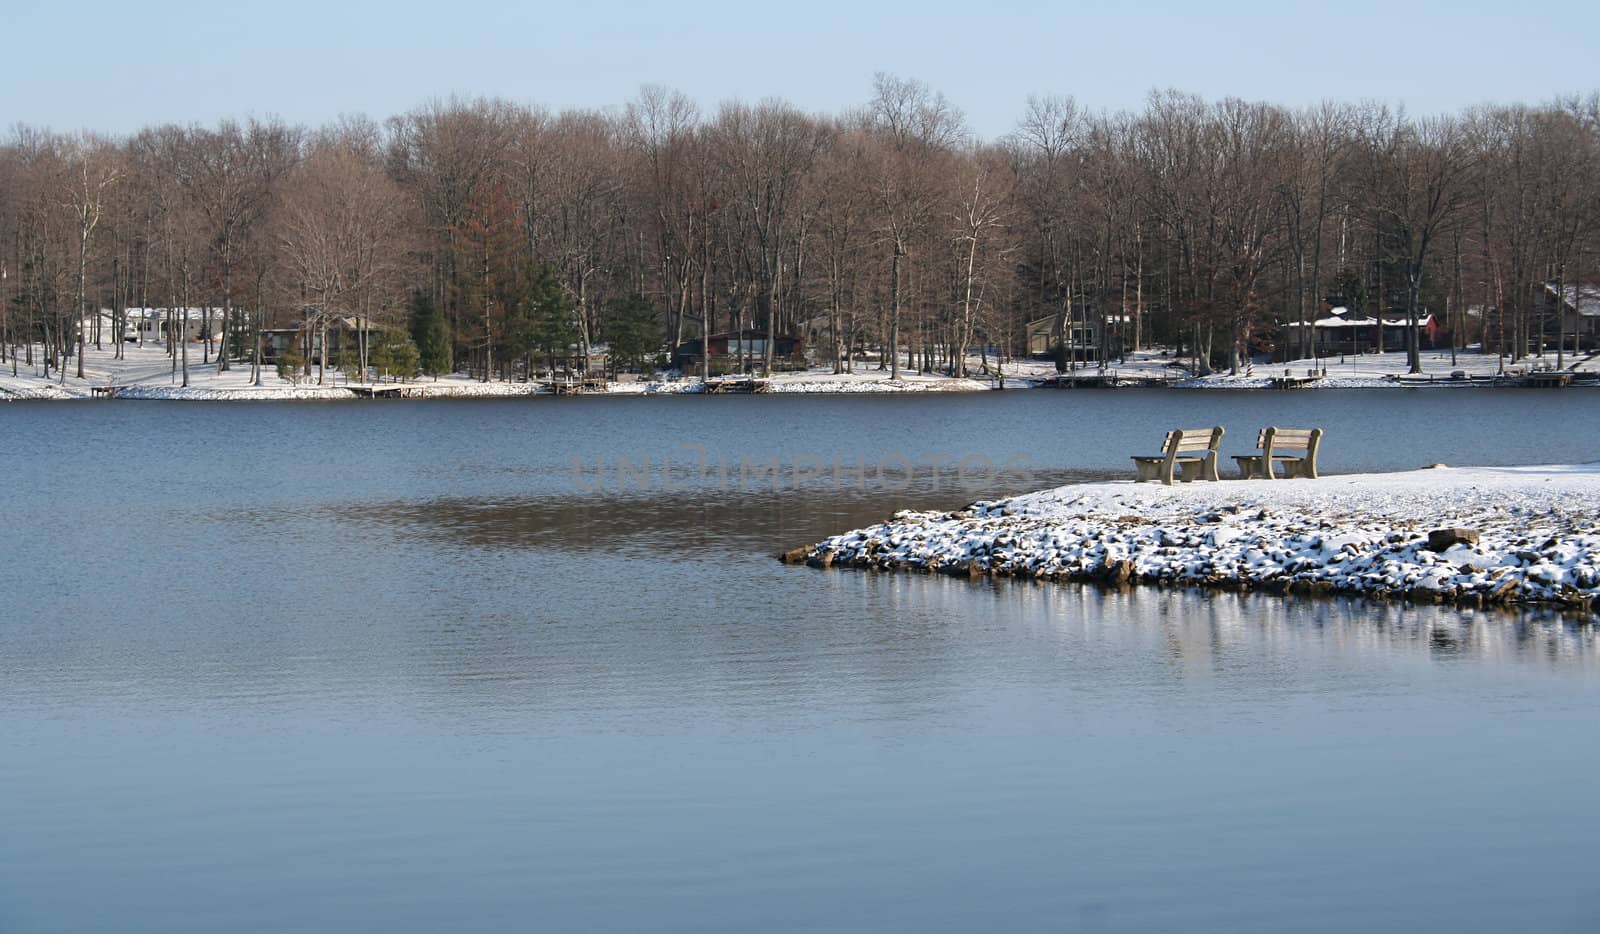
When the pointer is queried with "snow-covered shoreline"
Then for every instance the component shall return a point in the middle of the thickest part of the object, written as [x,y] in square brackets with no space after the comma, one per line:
[148,373]
[1363,534]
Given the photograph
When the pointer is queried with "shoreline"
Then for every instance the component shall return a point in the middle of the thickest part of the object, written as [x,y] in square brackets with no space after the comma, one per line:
[1367,535]
[76,390]
[146,374]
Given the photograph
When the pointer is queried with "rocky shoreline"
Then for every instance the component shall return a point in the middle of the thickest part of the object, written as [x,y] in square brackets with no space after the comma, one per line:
[1537,536]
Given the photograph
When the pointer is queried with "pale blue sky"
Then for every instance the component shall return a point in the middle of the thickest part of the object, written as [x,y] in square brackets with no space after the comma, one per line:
[117,66]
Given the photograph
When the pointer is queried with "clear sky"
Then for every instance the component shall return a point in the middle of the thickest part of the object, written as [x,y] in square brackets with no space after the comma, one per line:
[117,66]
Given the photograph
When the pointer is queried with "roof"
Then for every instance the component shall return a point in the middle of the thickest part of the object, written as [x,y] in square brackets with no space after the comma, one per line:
[1584,299]
[748,333]
[1341,317]
[193,314]
[1078,320]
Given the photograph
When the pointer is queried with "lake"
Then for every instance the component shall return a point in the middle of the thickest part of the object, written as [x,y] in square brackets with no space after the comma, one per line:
[495,665]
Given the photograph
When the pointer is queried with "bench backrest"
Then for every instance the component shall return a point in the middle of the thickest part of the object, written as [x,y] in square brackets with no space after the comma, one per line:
[1274,437]
[1183,440]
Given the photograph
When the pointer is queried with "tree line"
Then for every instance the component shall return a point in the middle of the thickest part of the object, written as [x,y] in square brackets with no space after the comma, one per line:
[493,234]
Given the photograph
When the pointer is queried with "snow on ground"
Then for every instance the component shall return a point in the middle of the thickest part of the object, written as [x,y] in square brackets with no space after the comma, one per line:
[1352,371]
[147,374]
[1356,533]
[1388,370]
[820,380]
[1144,364]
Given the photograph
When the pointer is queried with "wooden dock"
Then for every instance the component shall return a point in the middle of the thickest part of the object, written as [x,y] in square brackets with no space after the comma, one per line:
[1293,382]
[736,384]
[1548,380]
[104,392]
[379,390]
[565,386]
[1106,380]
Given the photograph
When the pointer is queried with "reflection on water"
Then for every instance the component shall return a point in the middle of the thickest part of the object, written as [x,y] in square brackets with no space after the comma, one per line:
[389,670]
[693,526]
[705,518]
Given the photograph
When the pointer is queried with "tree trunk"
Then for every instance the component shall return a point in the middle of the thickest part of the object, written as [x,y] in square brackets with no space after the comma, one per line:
[894,313]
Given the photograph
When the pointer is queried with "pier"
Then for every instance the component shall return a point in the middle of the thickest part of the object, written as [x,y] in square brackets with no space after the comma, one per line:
[736,384]
[1107,380]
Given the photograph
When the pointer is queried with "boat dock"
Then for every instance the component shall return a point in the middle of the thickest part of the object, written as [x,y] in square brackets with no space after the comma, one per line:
[1110,379]
[736,384]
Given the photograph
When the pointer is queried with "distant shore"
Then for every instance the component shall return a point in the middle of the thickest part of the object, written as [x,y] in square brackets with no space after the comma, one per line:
[1536,531]
[147,374]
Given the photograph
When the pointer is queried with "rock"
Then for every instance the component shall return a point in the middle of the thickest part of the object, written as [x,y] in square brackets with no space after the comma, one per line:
[1445,539]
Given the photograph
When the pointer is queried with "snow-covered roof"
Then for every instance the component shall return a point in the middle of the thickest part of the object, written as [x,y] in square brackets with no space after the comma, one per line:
[1585,299]
[1342,318]
[193,314]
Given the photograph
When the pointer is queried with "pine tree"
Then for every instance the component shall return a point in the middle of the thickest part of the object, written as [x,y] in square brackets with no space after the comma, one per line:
[431,335]
[396,357]
[631,330]
[289,364]
[547,316]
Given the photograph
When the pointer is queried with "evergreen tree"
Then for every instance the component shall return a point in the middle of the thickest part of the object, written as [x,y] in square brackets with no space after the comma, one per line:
[396,356]
[348,362]
[289,364]
[430,333]
[631,330]
[545,318]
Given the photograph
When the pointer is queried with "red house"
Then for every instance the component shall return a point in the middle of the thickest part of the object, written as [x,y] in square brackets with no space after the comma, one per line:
[732,346]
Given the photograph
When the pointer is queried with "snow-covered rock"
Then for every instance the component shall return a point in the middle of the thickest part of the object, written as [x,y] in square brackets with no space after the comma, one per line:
[1363,534]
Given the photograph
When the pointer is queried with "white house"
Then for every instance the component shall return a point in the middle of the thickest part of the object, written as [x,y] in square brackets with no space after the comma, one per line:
[150,324]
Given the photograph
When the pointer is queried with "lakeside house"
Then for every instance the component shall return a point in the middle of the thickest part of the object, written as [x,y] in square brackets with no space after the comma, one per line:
[150,325]
[1564,311]
[305,338]
[1344,331]
[1083,338]
[1578,312]
[729,348]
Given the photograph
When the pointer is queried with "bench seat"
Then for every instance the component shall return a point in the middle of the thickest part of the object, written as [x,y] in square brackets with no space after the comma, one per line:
[1188,454]
[1270,442]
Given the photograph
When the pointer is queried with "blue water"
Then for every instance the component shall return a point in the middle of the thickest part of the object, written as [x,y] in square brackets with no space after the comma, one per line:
[393,667]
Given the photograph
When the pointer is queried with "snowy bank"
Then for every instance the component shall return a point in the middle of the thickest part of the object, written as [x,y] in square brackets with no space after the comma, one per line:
[819,381]
[1366,534]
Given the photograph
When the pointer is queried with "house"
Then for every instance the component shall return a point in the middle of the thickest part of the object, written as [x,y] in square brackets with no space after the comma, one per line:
[1083,337]
[1579,307]
[305,338]
[730,347]
[151,325]
[1343,331]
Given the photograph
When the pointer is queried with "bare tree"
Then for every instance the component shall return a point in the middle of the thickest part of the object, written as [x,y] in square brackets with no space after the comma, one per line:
[341,237]
[1420,179]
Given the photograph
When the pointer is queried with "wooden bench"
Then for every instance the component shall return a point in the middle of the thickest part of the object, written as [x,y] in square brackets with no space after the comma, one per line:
[1192,451]
[1272,443]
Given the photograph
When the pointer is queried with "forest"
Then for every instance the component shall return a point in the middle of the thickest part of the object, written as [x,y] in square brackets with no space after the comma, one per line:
[490,235]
